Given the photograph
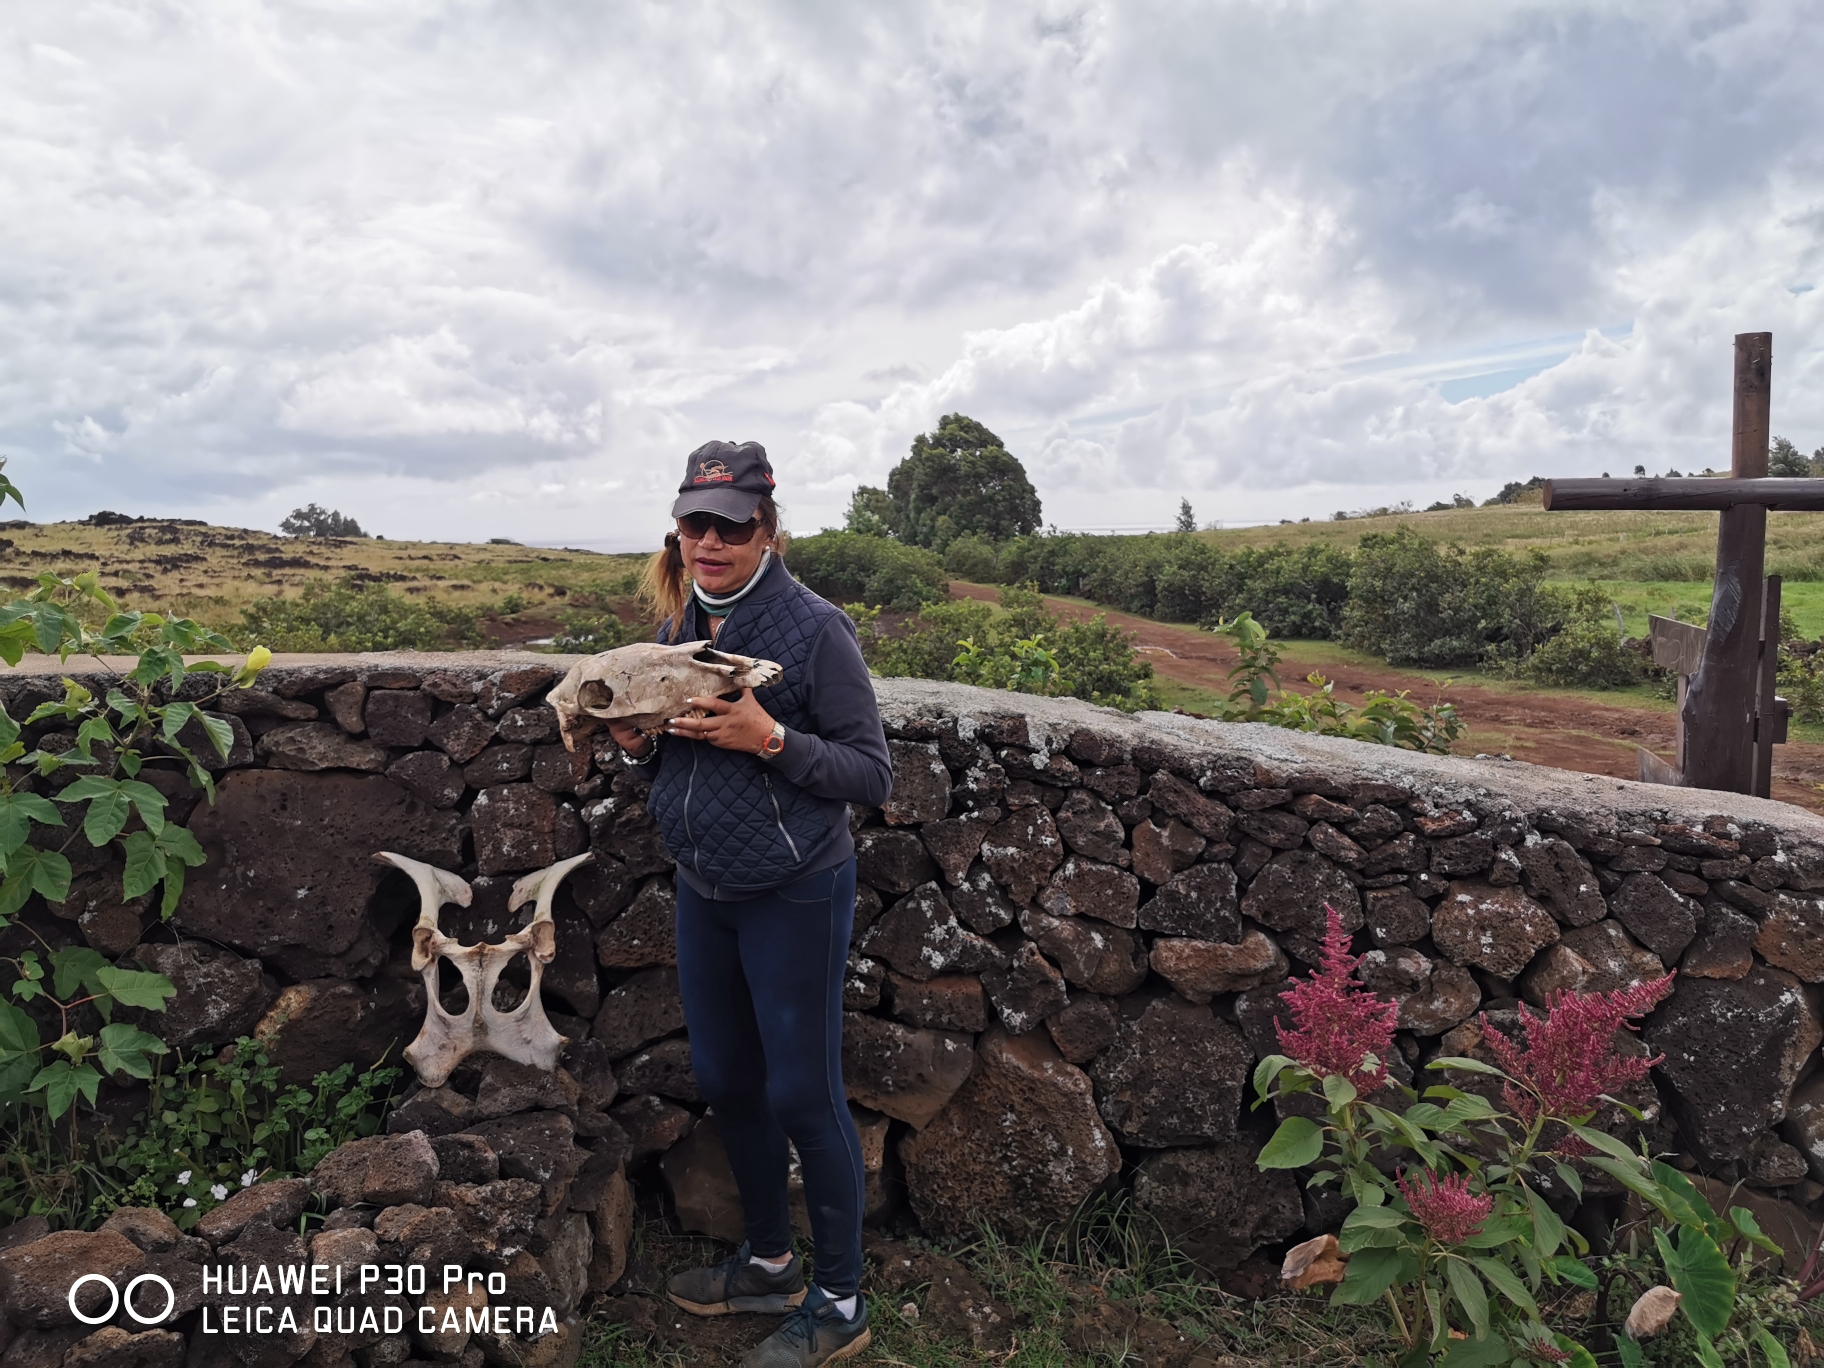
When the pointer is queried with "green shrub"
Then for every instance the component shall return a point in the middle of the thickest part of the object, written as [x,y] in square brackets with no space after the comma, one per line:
[1023,648]
[1588,653]
[1384,719]
[1296,591]
[848,567]
[350,614]
[972,557]
[1415,602]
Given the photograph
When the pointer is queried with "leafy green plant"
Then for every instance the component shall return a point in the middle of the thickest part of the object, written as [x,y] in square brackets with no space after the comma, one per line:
[58,1036]
[1413,601]
[1463,1249]
[1386,719]
[350,614]
[215,1125]
[1588,651]
[1475,1220]
[1024,648]
[1730,1309]
[854,568]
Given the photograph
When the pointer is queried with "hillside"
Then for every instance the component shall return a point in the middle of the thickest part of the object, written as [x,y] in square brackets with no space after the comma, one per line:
[212,573]
[1580,546]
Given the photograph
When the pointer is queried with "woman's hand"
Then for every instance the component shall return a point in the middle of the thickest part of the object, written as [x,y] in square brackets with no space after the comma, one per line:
[742,725]
[630,739]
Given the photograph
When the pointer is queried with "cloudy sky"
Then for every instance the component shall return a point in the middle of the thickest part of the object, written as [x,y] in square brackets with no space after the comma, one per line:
[470,268]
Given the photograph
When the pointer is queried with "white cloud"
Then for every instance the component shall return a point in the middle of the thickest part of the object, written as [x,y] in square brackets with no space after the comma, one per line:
[472,267]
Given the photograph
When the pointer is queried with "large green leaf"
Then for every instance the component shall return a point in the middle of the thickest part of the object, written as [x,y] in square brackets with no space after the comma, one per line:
[106,816]
[1690,1200]
[1370,1273]
[1474,1066]
[76,967]
[1503,1280]
[137,988]
[145,864]
[1750,1229]
[18,1033]
[60,1081]
[30,870]
[148,801]
[1469,1293]
[1548,1230]
[1772,1349]
[1628,1350]
[1298,1141]
[17,813]
[125,1049]
[179,844]
[1339,1092]
[219,732]
[1701,1274]
[1575,1271]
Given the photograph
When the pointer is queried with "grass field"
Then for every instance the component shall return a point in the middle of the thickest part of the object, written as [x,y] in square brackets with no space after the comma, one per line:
[212,573]
[1633,547]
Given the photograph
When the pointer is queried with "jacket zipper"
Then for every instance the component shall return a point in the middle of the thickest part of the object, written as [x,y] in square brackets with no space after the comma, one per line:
[779,818]
[696,853]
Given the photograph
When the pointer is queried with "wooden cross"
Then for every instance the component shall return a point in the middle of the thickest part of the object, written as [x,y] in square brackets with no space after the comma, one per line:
[1728,717]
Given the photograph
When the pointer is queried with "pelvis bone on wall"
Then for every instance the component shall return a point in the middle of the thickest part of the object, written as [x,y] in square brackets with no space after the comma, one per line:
[647,684]
[524,1034]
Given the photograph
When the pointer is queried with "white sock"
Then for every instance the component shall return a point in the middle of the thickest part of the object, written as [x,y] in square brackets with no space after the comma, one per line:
[775,1264]
[844,1308]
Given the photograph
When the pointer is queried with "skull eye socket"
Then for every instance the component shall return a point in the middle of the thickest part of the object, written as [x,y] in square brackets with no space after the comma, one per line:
[594,694]
[515,979]
[452,989]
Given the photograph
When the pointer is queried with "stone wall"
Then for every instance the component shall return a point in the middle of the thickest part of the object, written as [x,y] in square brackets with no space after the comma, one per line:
[1071,934]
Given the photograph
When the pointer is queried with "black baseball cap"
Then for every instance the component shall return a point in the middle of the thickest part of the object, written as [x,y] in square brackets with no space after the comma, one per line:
[725,478]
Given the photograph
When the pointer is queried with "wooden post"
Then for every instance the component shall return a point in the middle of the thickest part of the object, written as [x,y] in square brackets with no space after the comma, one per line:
[1719,708]
[1767,729]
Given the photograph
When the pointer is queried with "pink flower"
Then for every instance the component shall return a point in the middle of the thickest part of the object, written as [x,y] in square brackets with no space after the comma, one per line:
[1569,1061]
[1338,1023]
[1448,1210]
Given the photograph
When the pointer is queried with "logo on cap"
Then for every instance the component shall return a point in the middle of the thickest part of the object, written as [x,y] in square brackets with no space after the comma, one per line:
[712,472]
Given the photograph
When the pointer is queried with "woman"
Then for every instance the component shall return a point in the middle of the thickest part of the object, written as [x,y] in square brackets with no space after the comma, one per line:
[752,800]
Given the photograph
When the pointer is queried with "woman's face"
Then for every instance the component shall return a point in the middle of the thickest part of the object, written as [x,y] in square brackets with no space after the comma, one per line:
[718,566]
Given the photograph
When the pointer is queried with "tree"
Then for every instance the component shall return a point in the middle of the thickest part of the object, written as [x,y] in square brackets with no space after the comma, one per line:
[312,521]
[1186,521]
[1783,458]
[958,480]
[870,512]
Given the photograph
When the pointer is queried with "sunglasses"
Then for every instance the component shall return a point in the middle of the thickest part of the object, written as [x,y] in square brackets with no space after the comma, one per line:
[696,526]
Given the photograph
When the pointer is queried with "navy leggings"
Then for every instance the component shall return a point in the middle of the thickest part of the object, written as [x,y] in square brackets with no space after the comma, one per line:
[762,985]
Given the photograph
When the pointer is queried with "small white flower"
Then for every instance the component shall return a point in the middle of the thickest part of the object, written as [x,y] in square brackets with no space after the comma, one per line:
[184,1177]
[248,1177]
[189,1201]
[218,1191]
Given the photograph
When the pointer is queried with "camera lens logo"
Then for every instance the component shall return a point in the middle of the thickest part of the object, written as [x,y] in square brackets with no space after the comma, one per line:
[115,1298]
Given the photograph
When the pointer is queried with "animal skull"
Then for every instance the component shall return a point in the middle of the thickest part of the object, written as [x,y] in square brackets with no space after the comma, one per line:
[524,1035]
[647,684]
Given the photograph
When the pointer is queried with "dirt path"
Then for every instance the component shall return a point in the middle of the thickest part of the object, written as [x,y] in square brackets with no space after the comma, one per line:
[1564,730]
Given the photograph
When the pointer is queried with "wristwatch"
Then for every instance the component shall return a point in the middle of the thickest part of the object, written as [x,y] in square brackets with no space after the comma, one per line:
[770,748]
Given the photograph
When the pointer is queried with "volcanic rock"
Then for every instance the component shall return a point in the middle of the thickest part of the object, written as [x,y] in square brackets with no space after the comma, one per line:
[1082,887]
[1497,929]
[1020,1144]
[1173,1075]
[1432,994]
[1103,959]
[1291,893]
[1021,850]
[1598,958]
[1199,969]
[1563,880]
[921,784]
[921,937]
[1200,903]
[1733,1049]
[1216,1204]
[1027,991]
[907,1072]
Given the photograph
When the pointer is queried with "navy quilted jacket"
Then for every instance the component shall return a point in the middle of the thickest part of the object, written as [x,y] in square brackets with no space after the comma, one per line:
[738,825]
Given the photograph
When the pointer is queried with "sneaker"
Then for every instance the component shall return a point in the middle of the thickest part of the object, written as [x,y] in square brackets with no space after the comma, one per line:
[815,1333]
[738,1284]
